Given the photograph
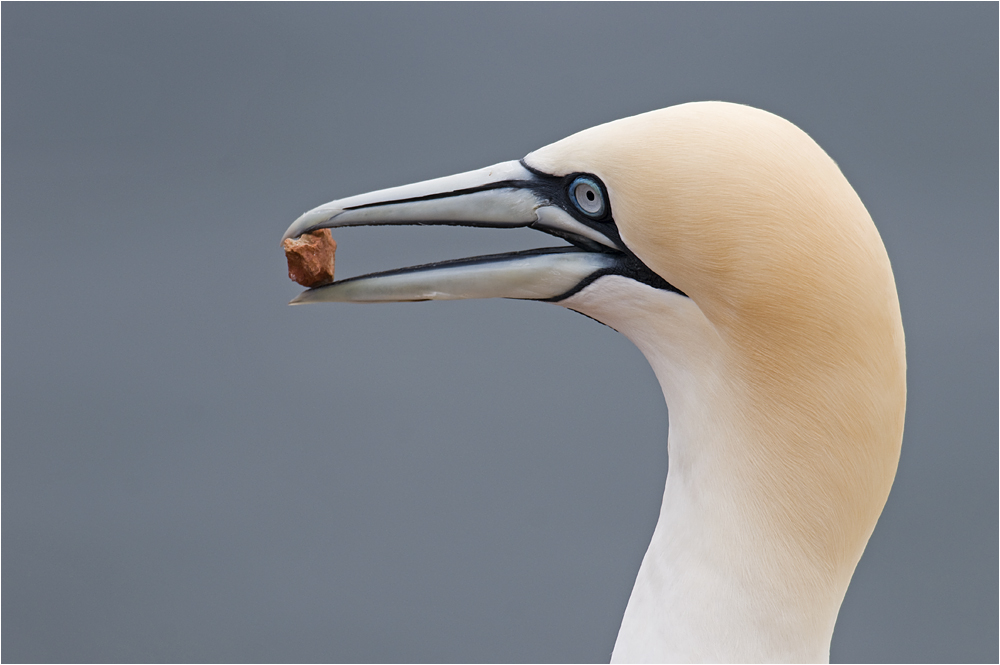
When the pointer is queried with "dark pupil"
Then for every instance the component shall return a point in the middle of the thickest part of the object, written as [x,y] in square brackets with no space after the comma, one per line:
[590,195]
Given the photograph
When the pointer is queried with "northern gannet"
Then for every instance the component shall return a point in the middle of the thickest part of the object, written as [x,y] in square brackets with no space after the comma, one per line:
[732,251]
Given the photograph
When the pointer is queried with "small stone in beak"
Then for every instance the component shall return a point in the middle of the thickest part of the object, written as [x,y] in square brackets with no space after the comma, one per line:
[311,257]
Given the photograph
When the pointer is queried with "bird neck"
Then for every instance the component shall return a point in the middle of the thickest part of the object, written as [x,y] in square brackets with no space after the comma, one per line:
[714,589]
[725,578]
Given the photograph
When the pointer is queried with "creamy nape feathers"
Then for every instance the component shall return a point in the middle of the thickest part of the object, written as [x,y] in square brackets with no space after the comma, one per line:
[784,373]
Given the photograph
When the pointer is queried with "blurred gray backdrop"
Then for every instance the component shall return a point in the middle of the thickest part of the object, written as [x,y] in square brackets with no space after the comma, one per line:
[193,471]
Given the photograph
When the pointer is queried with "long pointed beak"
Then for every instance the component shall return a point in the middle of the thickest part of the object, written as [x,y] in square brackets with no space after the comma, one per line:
[506,195]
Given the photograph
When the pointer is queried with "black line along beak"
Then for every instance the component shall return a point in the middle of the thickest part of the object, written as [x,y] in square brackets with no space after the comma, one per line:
[507,195]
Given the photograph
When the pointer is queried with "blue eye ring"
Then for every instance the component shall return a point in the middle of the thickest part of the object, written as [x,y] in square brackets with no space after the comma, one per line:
[588,197]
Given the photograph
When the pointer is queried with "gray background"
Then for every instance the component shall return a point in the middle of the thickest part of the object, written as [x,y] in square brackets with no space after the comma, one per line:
[194,471]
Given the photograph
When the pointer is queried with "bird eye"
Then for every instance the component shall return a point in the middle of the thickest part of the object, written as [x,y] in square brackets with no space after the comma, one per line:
[587,196]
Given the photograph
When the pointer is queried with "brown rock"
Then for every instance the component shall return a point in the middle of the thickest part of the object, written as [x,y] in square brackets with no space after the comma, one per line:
[310,257]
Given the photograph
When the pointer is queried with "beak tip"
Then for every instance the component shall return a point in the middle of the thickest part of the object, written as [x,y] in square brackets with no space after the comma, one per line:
[307,222]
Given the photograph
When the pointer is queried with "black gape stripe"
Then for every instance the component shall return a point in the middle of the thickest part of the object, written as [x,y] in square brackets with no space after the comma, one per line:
[627,266]
[556,189]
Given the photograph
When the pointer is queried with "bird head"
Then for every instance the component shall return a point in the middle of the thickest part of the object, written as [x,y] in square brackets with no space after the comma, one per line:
[731,249]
